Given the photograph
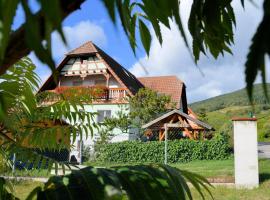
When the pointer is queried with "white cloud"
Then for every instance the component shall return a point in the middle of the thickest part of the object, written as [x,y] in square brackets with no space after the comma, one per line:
[220,76]
[75,35]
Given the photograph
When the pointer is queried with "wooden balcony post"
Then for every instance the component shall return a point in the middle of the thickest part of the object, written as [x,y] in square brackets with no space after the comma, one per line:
[107,76]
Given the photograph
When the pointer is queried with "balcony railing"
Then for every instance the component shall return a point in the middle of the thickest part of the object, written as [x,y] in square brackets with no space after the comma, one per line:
[97,93]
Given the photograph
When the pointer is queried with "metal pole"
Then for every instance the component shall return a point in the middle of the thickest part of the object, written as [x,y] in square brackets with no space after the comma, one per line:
[166,144]
[14,165]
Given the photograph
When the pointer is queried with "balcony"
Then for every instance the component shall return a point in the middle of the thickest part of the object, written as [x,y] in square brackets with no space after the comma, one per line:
[97,94]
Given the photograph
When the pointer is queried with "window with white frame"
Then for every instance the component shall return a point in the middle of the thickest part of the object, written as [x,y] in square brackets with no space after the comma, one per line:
[102,114]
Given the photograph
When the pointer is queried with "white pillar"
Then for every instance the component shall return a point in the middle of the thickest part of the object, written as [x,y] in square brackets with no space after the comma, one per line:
[166,145]
[245,152]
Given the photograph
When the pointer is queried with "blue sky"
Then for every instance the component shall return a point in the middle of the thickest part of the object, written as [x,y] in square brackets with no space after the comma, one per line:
[210,78]
[115,43]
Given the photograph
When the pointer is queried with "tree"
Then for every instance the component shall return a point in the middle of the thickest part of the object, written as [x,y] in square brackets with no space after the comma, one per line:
[211,27]
[202,114]
[147,105]
[120,121]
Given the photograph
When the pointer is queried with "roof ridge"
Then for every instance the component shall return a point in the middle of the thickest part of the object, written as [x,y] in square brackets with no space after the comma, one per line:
[158,76]
[73,51]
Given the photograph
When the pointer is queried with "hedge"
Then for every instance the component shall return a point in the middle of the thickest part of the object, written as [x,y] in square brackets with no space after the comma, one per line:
[178,151]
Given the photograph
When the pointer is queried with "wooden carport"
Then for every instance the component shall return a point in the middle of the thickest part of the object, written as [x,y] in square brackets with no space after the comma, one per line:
[178,121]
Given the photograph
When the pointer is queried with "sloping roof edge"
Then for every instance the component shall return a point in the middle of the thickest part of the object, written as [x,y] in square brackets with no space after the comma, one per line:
[202,124]
[126,78]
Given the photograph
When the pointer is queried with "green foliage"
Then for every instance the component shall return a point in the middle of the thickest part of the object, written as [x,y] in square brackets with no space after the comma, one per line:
[86,153]
[144,106]
[6,190]
[148,104]
[211,26]
[237,98]
[120,121]
[135,14]
[221,109]
[202,115]
[135,182]
[8,11]
[37,39]
[178,151]
[259,49]
[26,125]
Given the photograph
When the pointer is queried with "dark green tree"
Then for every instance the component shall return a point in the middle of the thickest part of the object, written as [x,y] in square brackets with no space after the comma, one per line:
[147,105]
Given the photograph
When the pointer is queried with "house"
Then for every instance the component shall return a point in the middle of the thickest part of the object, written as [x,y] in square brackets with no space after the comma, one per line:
[89,66]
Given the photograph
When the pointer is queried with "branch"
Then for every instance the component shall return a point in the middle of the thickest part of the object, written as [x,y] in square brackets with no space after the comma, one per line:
[17,47]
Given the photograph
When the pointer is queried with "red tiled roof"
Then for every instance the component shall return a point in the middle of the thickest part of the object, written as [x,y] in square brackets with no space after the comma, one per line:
[169,85]
[86,48]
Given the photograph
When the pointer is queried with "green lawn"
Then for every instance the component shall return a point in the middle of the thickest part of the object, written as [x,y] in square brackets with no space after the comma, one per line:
[225,193]
[23,188]
[205,168]
[28,173]
[209,168]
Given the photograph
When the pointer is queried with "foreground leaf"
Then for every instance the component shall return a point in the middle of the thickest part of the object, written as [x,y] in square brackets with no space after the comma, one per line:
[135,182]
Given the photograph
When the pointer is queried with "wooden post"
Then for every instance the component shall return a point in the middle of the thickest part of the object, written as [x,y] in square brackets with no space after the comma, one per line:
[186,130]
[107,76]
[161,135]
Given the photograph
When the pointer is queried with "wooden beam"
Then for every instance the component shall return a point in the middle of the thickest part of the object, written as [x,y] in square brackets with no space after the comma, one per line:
[177,125]
[161,135]
[186,130]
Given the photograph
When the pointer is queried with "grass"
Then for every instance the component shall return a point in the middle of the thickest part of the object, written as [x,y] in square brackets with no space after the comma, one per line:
[206,168]
[218,168]
[225,193]
[23,188]
[28,173]
[209,168]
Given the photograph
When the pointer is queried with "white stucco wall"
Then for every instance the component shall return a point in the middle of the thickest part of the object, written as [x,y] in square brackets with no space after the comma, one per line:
[119,136]
[246,153]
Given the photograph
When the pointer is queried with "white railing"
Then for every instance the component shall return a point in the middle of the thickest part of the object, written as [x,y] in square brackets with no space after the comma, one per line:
[117,93]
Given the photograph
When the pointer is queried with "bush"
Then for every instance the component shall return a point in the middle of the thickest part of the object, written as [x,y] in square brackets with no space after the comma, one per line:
[178,151]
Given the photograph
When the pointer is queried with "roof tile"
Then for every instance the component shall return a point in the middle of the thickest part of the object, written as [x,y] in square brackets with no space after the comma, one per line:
[169,85]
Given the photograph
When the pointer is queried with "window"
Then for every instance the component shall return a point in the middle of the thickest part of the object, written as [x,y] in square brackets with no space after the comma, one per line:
[102,114]
[77,83]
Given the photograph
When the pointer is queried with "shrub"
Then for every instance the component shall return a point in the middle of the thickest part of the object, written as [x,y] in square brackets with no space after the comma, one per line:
[178,151]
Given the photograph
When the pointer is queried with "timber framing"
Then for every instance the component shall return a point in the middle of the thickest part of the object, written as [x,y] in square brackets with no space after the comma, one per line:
[178,121]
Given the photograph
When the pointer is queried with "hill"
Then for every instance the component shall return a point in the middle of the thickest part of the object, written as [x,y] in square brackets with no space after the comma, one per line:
[218,111]
[237,98]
